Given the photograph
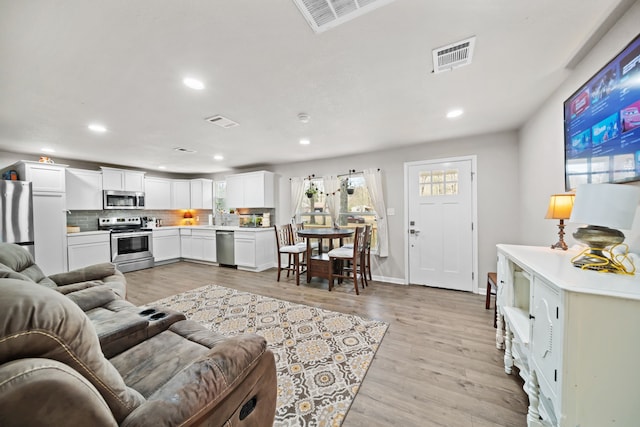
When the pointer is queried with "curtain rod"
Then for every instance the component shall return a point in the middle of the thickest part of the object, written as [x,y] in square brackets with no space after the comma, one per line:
[339,176]
[352,171]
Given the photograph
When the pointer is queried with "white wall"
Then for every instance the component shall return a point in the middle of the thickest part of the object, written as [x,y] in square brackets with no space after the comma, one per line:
[497,156]
[541,142]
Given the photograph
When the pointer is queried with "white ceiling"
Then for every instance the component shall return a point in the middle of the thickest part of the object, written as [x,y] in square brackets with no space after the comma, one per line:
[366,84]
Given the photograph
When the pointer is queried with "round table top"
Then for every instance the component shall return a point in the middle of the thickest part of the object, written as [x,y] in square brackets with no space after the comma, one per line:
[328,233]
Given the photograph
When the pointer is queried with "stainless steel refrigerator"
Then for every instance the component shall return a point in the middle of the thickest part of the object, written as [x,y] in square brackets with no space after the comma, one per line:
[16,214]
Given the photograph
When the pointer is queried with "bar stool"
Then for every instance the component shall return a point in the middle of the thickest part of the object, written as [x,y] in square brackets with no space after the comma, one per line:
[492,283]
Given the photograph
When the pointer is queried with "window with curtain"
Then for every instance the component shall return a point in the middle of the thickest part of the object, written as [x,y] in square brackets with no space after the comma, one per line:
[355,210]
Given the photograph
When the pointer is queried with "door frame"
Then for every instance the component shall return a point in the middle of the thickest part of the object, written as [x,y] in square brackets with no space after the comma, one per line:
[474,213]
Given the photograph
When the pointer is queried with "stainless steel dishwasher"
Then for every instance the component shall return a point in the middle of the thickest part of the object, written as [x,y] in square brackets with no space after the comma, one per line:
[225,248]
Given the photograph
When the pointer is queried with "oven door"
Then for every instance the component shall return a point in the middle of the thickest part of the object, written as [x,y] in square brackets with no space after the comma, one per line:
[131,246]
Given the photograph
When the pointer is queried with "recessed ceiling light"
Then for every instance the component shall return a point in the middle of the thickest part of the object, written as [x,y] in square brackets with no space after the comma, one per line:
[218,157]
[455,113]
[48,150]
[193,83]
[97,128]
[162,167]
[305,141]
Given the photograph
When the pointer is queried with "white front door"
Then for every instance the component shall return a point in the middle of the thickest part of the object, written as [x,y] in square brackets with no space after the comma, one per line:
[440,214]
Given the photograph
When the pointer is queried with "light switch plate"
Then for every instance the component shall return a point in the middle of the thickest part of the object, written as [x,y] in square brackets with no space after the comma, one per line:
[391,211]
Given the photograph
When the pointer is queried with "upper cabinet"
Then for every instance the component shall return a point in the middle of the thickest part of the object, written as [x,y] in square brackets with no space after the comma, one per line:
[122,180]
[44,177]
[201,193]
[84,189]
[251,190]
[157,193]
[180,194]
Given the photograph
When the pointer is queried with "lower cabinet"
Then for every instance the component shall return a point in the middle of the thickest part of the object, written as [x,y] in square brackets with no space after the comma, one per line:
[198,244]
[254,250]
[166,244]
[88,249]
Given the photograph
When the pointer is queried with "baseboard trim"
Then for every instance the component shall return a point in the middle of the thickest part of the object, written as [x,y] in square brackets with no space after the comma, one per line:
[394,280]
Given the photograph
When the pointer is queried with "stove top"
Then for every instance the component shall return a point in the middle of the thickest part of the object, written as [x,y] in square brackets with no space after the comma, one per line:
[120,224]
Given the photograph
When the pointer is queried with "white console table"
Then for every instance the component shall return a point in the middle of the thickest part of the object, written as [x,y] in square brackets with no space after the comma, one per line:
[573,334]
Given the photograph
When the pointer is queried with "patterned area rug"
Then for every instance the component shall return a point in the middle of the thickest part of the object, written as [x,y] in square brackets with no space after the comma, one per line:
[321,356]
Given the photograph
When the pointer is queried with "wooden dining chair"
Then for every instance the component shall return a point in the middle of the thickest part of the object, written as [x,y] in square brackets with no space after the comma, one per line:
[285,246]
[340,256]
[365,260]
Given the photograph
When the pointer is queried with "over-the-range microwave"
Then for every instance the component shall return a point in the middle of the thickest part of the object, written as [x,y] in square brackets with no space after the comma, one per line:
[122,199]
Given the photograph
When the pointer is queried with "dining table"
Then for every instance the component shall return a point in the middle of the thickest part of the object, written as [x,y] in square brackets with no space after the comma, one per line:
[318,265]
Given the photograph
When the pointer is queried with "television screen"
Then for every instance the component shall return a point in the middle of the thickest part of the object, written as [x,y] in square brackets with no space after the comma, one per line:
[602,124]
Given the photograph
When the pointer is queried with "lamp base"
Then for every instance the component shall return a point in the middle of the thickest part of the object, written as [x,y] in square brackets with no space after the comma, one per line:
[561,243]
[597,257]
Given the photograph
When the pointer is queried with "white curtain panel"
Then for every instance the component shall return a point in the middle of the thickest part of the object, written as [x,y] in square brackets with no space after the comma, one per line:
[297,192]
[331,186]
[373,178]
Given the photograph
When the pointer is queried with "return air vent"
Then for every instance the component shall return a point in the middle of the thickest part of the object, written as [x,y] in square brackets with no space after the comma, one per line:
[325,14]
[452,56]
[221,121]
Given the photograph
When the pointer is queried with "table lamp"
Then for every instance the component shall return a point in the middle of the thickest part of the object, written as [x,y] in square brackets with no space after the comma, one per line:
[604,208]
[560,206]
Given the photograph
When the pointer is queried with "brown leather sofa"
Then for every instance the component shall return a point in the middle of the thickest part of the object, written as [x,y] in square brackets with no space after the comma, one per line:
[87,357]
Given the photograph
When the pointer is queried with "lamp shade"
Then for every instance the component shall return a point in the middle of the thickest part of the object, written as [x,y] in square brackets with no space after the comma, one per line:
[606,205]
[187,214]
[560,206]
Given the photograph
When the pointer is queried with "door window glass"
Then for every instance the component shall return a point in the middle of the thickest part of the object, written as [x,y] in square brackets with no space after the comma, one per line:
[438,183]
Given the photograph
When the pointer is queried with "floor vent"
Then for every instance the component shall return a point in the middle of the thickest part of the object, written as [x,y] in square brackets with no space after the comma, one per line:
[221,121]
[452,56]
[325,14]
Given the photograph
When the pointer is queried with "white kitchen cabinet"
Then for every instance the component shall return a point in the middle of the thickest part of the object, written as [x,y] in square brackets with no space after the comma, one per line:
[201,191]
[166,244]
[198,244]
[44,177]
[157,193]
[83,189]
[122,179]
[254,250]
[185,243]
[180,194]
[251,190]
[85,249]
[580,361]
[50,231]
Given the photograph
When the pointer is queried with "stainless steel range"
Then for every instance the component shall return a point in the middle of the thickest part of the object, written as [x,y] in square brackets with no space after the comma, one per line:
[131,245]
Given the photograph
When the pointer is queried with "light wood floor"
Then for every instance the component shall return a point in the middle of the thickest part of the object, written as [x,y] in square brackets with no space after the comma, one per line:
[437,364]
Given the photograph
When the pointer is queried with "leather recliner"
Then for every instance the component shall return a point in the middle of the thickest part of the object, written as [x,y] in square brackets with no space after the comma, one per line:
[17,263]
[53,370]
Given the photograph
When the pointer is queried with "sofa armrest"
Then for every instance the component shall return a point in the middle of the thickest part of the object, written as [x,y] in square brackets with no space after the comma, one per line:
[90,297]
[57,395]
[239,372]
[92,272]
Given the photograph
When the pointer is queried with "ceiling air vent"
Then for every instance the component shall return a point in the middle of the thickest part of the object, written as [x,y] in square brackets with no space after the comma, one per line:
[324,14]
[221,121]
[452,56]
[184,150]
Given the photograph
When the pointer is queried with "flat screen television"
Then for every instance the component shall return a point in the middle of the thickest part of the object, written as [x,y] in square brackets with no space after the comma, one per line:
[602,124]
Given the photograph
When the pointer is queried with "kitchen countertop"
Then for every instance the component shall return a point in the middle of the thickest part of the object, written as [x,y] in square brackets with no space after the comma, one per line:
[194,227]
[88,233]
